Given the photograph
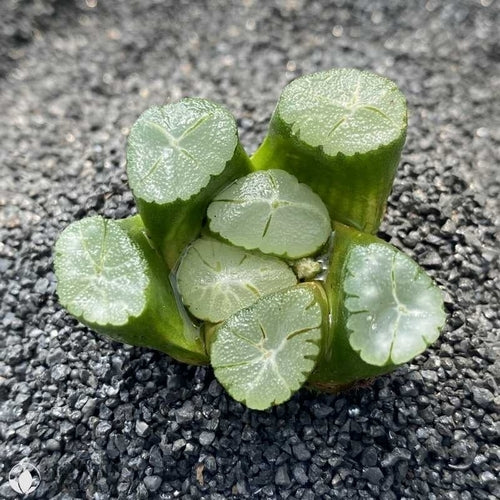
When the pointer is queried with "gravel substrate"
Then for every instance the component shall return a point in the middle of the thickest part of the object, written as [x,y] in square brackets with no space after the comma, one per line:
[101,420]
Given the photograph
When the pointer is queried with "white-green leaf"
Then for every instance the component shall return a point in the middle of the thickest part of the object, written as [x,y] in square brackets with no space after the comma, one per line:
[344,110]
[263,354]
[394,309]
[272,212]
[101,274]
[216,279]
[173,150]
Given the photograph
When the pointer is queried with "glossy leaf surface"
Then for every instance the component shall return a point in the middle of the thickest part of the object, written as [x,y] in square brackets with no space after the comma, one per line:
[344,111]
[173,150]
[271,211]
[395,310]
[264,353]
[101,274]
[215,279]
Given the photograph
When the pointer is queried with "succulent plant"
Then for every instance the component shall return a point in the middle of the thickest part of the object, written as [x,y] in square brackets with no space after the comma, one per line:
[267,268]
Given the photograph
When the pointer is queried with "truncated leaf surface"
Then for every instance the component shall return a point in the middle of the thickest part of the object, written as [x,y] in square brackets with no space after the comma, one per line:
[173,150]
[394,309]
[101,274]
[344,110]
[215,279]
[271,211]
[264,353]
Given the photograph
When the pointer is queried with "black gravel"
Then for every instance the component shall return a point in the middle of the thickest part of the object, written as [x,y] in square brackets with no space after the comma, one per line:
[101,420]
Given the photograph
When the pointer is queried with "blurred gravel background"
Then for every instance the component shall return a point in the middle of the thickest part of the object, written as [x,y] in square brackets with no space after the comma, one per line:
[101,420]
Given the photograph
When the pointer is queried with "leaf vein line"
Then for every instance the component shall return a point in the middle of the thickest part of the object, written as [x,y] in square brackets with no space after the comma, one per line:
[193,127]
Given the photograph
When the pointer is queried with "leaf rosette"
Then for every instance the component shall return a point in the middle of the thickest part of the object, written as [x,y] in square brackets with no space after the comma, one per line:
[232,260]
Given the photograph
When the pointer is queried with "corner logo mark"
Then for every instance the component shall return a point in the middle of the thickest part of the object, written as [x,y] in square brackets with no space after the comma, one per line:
[24,478]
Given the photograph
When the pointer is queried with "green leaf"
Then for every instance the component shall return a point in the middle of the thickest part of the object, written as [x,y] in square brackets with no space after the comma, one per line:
[178,157]
[263,354]
[173,150]
[344,111]
[111,279]
[272,212]
[394,309]
[101,274]
[341,132]
[384,310]
[215,279]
